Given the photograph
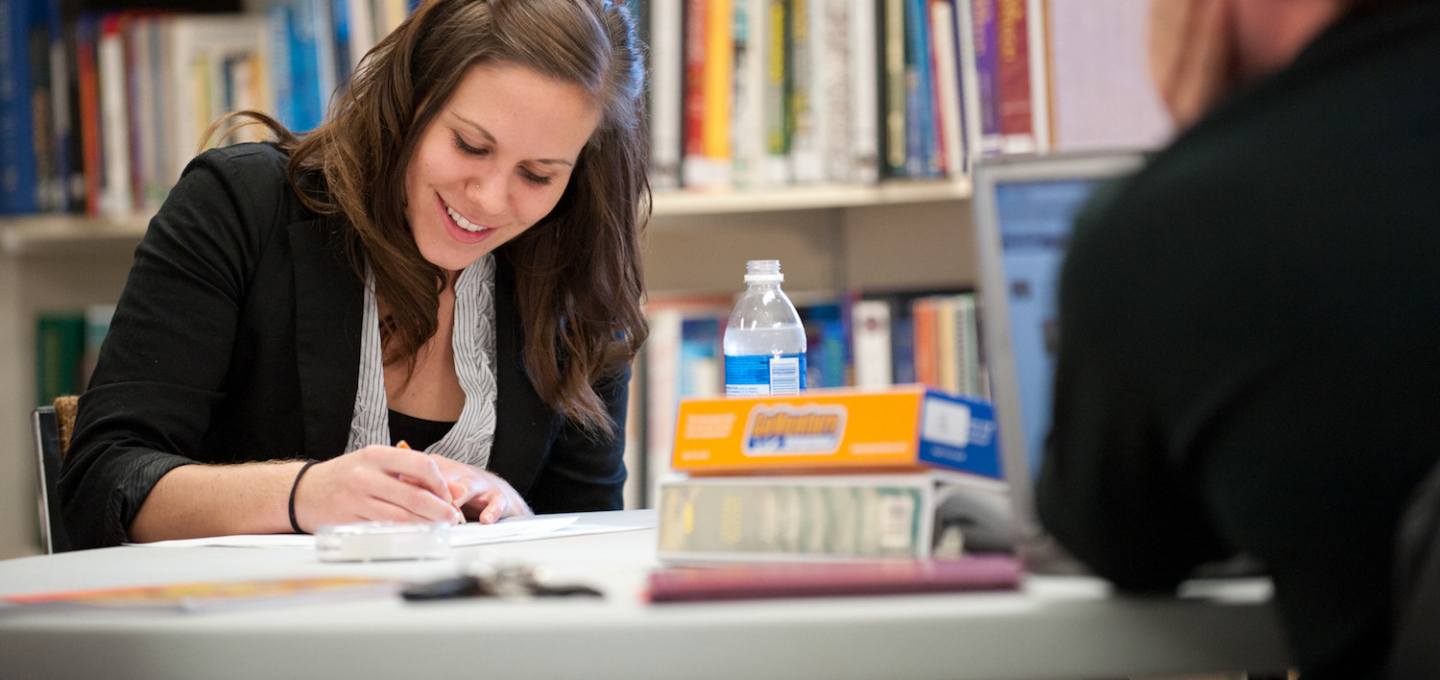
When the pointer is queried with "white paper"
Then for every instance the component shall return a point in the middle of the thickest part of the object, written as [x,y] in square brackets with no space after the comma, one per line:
[463,535]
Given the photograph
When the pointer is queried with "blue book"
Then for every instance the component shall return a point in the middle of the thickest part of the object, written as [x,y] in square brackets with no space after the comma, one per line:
[702,359]
[18,186]
[46,44]
[340,36]
[310,94]
[826,344]
[921,158]
[902,349]
[280,19]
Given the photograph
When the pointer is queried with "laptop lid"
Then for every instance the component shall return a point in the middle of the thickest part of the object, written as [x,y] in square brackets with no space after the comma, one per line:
[1024,211]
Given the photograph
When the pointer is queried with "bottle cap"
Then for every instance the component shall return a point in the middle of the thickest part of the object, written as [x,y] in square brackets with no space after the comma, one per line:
[763,271]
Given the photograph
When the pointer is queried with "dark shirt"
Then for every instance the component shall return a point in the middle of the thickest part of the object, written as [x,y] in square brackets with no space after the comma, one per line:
[1250,341]
[417,433]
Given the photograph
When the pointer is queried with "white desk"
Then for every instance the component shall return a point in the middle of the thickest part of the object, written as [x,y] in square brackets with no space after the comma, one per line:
[1055,627]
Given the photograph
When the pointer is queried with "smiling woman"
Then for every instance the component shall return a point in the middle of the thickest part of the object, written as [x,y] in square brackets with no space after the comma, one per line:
[450,260]
[494,162]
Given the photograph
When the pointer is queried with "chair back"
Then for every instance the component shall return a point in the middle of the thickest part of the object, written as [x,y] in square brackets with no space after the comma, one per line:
[1415,654]
[51,427]
[65,410]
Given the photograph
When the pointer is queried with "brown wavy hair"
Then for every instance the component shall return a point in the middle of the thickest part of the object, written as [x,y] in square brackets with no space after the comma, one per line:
[578,273]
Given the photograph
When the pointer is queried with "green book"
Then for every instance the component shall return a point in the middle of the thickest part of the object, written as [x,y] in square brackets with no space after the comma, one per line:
[59,352]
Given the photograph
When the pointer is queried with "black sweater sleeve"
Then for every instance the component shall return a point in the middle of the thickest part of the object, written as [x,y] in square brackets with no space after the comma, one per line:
[163,366]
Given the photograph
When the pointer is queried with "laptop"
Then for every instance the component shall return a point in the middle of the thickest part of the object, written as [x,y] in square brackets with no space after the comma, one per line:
[1025,208]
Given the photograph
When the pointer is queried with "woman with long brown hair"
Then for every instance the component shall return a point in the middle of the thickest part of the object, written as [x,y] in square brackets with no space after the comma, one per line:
[422,310]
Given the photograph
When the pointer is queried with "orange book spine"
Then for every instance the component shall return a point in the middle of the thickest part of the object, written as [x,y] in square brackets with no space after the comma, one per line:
[926,356]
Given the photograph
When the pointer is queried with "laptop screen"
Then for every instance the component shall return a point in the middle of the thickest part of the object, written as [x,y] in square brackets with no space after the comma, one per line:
[1024,211]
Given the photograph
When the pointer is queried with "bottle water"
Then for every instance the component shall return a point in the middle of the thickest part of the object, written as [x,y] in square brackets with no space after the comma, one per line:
[764,341]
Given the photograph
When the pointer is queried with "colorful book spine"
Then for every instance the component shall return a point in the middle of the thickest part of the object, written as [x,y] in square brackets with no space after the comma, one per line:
[97,326]
[864,87]
[140,102]
[870,340]
[1041,102]
[18,184]
[984,26]
[947,357]
[804,90]
[827,345]
[1013,77]
[340,30]
[971,378]
[716,155]
[893,27]
[692,170]
[306,66]
[747,138]
[46,77]
[87,35]
[278,20]
[927,369]
[902,349]
[779,123]
[947,86]
[702,358]
[836,100]
[362,31]
[921,159]
[667,67]
[59,352]
[116,198]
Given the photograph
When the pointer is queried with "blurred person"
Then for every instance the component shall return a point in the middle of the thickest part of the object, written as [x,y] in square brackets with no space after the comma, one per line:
[1250,326]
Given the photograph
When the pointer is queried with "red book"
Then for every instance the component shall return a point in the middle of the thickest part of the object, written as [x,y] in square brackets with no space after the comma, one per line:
[744,581]
[89,88]
[1013,70]
[694,125]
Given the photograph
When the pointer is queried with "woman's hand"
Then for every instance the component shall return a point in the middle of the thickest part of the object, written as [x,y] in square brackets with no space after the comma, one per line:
[376,483]
[480,494]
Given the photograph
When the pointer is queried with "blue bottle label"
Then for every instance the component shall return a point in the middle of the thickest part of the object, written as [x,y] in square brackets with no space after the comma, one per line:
[749,376]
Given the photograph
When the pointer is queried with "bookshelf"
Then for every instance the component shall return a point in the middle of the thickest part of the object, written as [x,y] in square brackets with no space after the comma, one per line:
[827,238]
[894,235]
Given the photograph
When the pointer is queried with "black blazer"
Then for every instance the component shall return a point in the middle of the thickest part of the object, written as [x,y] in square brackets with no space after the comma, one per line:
[237,338]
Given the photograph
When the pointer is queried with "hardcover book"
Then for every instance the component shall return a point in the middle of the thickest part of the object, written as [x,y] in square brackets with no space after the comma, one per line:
[752,581]
[827,517]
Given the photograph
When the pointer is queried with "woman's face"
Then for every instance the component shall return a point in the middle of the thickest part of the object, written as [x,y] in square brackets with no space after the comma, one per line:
[493,161]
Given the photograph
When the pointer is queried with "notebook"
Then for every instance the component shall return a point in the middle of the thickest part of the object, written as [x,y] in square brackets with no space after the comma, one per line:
[1024,211]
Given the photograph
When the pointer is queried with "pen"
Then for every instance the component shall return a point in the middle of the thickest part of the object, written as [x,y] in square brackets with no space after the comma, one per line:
[404,445]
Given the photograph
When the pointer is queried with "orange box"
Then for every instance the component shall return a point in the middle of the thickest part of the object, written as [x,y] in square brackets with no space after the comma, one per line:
[901,428]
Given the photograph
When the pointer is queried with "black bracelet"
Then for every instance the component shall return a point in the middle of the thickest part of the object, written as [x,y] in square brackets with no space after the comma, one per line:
[293,524]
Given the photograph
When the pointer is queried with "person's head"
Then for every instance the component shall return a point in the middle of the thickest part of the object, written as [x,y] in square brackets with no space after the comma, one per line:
[1201,49]
[523,118]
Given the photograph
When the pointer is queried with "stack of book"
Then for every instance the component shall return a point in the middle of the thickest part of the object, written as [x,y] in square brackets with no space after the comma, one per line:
[906,472]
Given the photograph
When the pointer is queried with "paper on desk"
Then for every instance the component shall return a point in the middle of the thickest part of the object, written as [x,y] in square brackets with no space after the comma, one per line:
[473,533]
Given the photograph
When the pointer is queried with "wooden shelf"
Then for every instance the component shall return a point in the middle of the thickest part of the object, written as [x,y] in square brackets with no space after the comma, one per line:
[42,235]
[816,197]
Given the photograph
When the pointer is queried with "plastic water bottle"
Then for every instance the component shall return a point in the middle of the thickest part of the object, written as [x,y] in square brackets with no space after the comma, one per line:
[764,341]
